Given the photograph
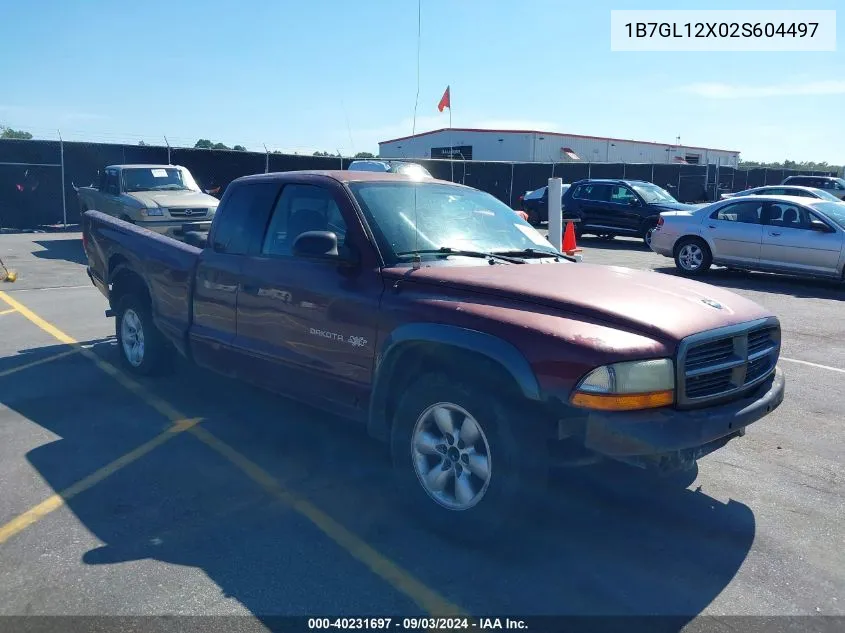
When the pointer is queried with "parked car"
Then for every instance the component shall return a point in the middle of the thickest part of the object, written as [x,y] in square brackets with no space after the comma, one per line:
[831,184]
[457,335]
[390,167]
[536,204]
[784,234]
[784,190]
[608,208]
[162,198]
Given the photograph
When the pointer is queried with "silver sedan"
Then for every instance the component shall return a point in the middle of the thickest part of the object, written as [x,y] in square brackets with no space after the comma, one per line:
[782,234]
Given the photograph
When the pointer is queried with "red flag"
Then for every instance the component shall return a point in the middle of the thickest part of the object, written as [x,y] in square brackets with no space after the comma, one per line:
[444,101]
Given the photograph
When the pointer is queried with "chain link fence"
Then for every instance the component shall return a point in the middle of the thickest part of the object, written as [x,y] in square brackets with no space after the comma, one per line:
[38,179]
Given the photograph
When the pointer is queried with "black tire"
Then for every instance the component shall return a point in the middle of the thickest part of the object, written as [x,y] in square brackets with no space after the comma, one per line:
[684,263]
[647,230]
[516,447]
[156,353]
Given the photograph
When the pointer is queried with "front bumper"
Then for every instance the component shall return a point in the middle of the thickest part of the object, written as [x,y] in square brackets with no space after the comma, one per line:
[662,431]
[172,227]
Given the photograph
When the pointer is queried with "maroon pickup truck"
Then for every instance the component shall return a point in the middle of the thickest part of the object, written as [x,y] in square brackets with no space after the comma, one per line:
[448,326]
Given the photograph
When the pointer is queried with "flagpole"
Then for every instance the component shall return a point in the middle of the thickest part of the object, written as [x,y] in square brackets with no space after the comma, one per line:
[451,142]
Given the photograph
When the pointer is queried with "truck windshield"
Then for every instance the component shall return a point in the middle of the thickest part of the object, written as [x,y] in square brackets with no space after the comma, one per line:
[158,179]
[420,216]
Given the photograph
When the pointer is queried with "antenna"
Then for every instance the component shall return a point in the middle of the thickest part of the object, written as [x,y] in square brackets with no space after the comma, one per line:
[419,33]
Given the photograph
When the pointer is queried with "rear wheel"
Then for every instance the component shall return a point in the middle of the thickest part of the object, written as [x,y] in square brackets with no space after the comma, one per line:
[143,349]
[465,461]
[693,256]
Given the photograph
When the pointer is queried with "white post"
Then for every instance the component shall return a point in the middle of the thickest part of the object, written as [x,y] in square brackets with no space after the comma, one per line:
[64,195]
[166,142]
[555,213]
[266,159]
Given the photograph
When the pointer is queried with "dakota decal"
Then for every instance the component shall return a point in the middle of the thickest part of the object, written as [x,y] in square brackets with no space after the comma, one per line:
[354,341]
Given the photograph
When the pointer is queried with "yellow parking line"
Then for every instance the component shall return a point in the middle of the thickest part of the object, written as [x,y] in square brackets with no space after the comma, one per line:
[399,578]
[23,521]
[2,312]
[40,361]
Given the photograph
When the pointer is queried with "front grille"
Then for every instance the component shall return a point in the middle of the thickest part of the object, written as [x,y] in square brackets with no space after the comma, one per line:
[725,363]
[188,213]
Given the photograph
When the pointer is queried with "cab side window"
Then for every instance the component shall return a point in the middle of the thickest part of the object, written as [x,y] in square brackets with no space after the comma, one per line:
[302,208]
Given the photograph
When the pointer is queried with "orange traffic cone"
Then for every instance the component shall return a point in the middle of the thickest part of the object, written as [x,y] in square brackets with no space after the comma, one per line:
[569,245]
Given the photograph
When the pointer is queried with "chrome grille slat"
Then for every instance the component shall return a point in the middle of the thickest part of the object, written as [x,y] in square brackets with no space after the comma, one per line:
[724,364]
[184,213]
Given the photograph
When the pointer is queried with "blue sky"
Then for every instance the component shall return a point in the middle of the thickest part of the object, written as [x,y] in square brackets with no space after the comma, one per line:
[334,75]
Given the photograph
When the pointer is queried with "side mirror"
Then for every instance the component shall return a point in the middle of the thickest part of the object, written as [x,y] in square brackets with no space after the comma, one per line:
[633,202]
[821,227]
[322,245]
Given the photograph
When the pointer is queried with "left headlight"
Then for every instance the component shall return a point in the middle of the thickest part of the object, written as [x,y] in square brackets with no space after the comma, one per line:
[152,212]
[641,384]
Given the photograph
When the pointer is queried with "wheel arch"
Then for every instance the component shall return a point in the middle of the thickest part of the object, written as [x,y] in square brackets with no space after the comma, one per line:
[417,348]
[124,280]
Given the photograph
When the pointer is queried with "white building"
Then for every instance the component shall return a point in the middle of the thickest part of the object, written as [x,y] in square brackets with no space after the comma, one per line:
[547,147]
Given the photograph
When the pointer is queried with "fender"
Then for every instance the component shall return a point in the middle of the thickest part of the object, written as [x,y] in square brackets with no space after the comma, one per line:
[494,348]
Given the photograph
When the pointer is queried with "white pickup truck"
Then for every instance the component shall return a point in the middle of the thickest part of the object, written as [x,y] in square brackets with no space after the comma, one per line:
[162,198]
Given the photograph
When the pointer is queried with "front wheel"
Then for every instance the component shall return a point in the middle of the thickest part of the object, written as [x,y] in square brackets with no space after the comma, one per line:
[464,460]
[693,256]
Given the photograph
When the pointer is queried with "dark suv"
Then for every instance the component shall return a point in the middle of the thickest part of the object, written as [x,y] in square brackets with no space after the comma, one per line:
[834,186]
[608,208]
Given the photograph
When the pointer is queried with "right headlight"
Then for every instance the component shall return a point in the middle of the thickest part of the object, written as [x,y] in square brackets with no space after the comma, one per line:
[641,384]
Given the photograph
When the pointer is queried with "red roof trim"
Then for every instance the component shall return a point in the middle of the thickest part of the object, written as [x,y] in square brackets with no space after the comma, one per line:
[594,138]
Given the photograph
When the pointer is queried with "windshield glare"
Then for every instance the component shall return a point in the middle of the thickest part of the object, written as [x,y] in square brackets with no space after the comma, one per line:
[652,193]
[158,179]
[421,216]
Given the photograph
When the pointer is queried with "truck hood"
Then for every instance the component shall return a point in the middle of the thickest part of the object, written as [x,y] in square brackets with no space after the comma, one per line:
[190,199]
[644,302]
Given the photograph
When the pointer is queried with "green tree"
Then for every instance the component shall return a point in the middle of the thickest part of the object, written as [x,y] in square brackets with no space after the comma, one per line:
[142,143]
[219,146]
[321,154]
[9,133]
[364,155]
[203,143]
[239,148]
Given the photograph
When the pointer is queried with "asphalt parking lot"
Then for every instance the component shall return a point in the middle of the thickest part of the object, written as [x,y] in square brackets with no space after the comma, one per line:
[191,495]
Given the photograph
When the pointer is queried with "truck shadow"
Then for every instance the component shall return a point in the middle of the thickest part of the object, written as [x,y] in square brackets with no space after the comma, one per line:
[68,249]
[767,282]
[606,542]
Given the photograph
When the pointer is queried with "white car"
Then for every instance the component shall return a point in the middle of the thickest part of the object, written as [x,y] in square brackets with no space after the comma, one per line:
[783,190]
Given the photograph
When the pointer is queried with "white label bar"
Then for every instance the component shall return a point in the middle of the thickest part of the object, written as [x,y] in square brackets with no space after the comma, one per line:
[723,30]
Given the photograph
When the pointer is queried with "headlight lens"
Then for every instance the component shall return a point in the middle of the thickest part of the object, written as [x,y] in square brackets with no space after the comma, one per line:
[643,384]
[152,212]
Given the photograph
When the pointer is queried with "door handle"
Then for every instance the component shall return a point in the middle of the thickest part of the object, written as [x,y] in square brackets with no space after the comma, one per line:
[711,226]
[775,234]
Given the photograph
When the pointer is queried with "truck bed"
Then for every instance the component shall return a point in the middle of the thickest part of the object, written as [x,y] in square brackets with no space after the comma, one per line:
[166,264]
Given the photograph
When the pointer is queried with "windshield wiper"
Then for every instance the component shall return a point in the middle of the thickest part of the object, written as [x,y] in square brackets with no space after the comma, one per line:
[445,250]
[529,253]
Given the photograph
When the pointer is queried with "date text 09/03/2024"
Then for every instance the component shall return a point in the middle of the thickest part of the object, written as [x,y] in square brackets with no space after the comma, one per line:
[720,29]
[417,624]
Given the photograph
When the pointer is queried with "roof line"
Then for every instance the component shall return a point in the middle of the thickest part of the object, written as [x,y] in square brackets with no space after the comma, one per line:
[595,138]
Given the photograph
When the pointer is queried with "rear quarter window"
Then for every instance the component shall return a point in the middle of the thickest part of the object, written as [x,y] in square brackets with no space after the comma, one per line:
[242,217]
